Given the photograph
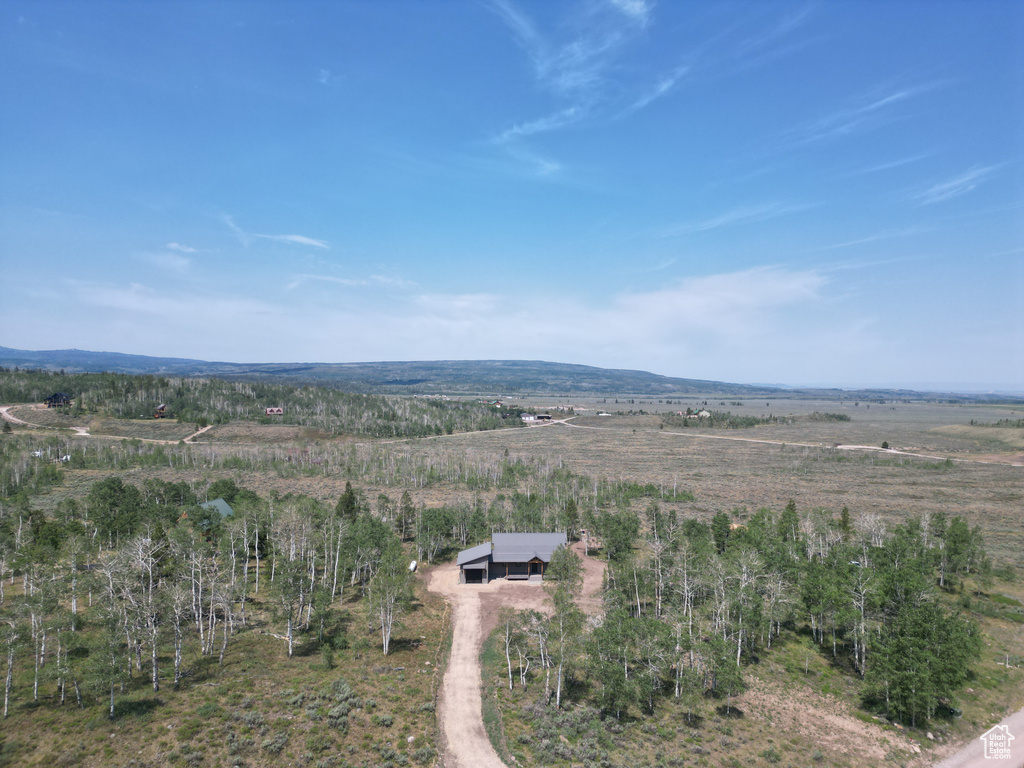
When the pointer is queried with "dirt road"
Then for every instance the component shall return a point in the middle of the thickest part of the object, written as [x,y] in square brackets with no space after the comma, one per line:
[5,413]
[1012,460]
[973,754]
[474,616]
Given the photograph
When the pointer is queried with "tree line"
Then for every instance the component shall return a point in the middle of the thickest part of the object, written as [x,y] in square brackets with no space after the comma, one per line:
[215,401]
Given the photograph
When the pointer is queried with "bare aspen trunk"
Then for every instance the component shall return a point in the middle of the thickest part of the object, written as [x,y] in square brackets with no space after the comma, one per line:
[10,676]
[153,656]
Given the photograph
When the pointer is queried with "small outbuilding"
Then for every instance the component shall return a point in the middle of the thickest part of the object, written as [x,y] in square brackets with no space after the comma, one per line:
[511,556]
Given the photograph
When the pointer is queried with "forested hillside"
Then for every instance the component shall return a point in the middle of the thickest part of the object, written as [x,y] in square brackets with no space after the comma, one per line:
[215,401]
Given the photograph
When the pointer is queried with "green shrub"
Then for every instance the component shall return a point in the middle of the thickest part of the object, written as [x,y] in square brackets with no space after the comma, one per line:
[275,743]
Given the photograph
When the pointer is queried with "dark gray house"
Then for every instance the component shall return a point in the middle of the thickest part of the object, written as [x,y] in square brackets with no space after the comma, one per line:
[509,556]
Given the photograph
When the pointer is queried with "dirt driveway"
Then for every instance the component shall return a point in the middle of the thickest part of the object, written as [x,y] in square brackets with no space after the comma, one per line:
[474,615]
[972,755]
[5,413]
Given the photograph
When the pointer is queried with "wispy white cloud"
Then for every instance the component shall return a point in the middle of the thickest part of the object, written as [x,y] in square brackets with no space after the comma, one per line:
[583,62]
[536,164]
[137,299]
[574,66]
[889,165]
[772,323]
[663,87]
[181,248]
[242,236]
[869,112]
[636,10]
[170,262]
[350,282]
[958,185]
[297,240]
[457,305]
[246,238]
[324,77]
[737,216]
[737,310]
[765,42]
[880,236]
[552,122]
[726,303]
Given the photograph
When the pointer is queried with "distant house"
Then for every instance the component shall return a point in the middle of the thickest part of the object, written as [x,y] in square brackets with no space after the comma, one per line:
[509,556]
[535,416]
[218,506]
[278,411]
[161,411]
[57,400]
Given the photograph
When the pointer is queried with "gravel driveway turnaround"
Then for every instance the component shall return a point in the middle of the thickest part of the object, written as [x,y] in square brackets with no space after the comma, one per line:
[474,616]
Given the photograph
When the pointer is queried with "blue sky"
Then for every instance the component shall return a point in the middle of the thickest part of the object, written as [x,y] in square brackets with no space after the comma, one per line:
[801,193]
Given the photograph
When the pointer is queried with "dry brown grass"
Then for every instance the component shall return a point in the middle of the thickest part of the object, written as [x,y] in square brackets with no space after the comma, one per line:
[259,434]
[228,715]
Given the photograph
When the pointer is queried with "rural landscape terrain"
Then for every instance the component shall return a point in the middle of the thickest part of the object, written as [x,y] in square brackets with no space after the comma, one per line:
[756,575]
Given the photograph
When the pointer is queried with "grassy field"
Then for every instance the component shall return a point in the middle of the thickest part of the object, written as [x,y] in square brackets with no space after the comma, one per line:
[143,429]
[260,707]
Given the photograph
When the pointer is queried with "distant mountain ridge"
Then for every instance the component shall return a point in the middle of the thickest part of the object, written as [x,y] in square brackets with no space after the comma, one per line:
[452,376]
[459,377]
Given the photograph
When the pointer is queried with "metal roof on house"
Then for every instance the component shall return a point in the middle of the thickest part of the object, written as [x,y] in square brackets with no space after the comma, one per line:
[220,505]
[523,547]
[474,553]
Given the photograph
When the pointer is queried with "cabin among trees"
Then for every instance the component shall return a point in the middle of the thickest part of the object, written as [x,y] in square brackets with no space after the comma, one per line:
[275,411]
[210,515]
[509,556]
[58,400]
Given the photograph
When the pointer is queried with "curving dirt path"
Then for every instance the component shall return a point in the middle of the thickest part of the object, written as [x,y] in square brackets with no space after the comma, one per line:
[474,616]
[5,413]
[1011,460]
